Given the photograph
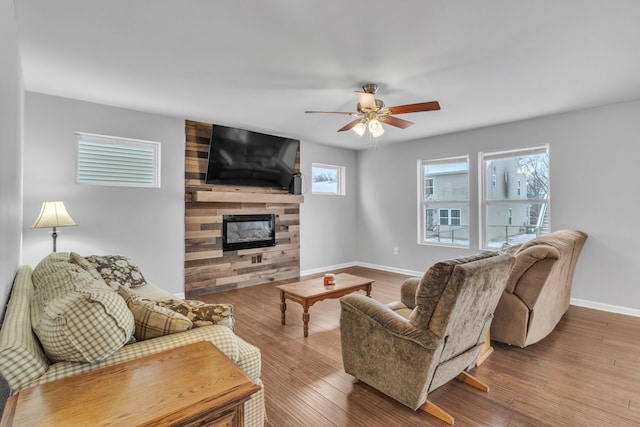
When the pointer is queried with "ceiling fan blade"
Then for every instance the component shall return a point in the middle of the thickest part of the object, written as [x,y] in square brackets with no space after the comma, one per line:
[367,101]
[349,125]
[415,108]
[330,112]
[399,123]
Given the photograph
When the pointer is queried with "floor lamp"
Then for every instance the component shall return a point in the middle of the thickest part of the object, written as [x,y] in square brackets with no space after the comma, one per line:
[53,215]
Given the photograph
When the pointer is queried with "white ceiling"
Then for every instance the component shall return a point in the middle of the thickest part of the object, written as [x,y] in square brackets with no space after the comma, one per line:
[260,64]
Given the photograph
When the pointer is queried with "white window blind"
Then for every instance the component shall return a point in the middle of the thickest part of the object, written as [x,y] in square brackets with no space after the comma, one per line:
[106,160]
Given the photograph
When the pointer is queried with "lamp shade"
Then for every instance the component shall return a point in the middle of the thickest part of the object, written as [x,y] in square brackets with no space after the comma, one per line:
[53,214]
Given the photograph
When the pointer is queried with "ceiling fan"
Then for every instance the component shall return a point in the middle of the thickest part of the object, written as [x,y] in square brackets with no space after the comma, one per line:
[371,112]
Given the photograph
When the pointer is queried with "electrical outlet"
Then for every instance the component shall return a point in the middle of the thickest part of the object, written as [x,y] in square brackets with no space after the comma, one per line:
[396,251]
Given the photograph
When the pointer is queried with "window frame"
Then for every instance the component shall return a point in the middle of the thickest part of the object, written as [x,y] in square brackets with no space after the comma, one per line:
[152,147]
[484,182]
[340,179]
[433,207]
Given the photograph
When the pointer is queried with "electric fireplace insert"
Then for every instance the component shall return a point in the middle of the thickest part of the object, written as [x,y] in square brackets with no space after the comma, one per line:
[248,231]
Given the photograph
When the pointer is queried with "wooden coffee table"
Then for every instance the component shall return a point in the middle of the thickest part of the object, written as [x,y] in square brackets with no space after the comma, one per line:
[309,292]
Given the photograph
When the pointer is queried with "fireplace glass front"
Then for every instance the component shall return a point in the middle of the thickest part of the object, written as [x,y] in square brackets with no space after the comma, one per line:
[248,231]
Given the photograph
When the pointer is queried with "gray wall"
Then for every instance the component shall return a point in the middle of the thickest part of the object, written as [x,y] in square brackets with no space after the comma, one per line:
[144,224]
[11,113]
[593,157]
[328,223]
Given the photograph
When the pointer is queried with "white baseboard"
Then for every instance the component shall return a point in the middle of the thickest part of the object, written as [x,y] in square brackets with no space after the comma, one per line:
[361,264]
[391,269]
[605,307]
[575,301]
[328,269]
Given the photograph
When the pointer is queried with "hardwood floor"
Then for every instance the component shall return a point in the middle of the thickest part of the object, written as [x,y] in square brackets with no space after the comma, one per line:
[586,373]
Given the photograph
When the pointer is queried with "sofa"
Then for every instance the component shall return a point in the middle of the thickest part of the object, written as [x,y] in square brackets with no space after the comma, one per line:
[538,291]
[39,345]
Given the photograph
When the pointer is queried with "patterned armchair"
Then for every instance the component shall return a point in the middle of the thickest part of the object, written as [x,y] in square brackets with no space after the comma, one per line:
[409,348]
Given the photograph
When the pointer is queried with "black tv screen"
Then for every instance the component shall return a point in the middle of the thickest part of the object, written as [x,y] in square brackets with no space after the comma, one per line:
[246,158]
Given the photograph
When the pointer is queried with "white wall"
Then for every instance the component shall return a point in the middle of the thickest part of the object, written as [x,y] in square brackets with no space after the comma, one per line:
[145,224]
[593,158]
[11,115]
[328,223]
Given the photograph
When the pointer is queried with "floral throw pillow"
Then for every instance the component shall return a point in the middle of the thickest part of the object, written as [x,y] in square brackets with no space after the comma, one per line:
[200,313]
[117,270]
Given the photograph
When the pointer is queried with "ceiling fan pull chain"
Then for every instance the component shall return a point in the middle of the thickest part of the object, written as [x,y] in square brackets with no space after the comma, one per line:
[373,142]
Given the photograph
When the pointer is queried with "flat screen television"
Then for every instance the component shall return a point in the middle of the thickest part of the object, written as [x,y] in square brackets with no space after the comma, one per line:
[246,158]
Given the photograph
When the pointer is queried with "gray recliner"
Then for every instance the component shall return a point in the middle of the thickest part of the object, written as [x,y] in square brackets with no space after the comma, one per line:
[409,348]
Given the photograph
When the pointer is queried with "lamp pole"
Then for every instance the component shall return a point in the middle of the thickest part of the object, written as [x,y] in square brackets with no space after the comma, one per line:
[54,235]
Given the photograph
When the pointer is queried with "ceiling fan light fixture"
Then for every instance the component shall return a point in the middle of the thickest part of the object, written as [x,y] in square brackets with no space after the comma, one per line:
[375,128]
[371,112]
[360,128]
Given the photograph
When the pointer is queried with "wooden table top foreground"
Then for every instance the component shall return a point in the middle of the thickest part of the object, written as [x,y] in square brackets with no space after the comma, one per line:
[313,287]
[153,390]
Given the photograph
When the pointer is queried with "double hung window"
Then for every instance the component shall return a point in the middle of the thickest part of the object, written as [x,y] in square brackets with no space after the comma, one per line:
[515,196]
[444,201]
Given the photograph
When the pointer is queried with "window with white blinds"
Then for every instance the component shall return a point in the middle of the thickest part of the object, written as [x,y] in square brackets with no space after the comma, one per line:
[108,160]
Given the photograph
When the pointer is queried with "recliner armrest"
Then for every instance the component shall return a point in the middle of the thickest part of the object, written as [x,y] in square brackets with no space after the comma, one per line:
[408,291]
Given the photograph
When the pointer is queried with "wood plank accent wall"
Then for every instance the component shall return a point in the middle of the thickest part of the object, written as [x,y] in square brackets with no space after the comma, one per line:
[207,268]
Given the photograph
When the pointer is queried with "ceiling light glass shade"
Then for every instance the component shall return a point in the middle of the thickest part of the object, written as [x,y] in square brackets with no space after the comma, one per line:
[375,127]
[53,214]
[359,128]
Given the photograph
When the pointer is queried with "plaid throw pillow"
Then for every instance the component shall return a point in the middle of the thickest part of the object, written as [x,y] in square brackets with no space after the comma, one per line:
[76,318]
[200,313]
[80,261]
[152,320]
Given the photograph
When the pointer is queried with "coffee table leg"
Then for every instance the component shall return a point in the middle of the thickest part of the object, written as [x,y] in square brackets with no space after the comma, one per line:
[305,320]
[283,307]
